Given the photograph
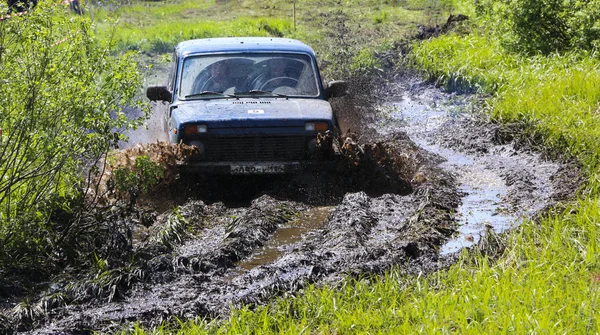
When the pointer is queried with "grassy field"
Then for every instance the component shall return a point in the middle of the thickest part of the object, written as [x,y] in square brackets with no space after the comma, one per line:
[548,278]
[345,34]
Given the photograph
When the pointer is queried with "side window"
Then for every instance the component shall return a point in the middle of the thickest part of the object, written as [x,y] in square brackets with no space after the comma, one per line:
[172,73]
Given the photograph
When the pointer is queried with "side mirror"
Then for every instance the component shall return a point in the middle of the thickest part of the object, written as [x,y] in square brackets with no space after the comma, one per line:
[158,93]
[337,88]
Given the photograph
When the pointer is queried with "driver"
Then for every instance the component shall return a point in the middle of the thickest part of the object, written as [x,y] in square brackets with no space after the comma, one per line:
[220,79]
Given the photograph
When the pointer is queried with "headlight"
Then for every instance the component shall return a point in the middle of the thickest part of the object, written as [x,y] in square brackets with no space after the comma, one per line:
[316,126]
[194,128]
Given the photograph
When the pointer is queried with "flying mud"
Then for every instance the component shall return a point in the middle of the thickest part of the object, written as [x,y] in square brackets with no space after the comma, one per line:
[420,175]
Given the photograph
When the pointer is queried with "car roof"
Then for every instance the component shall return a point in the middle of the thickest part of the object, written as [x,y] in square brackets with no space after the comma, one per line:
[243,44]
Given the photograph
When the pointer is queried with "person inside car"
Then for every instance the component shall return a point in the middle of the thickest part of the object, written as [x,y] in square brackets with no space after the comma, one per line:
[219,80]
[277,68]
[273,74]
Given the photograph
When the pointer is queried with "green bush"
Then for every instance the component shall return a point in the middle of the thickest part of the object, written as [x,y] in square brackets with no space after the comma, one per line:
[540,25]
[61,99]
[544,26]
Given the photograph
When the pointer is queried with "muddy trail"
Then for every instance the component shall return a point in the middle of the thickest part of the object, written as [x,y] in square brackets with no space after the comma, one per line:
[421,175]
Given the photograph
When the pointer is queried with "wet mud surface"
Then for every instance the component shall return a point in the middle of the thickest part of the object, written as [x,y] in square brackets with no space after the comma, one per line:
[502,179]
[421,175]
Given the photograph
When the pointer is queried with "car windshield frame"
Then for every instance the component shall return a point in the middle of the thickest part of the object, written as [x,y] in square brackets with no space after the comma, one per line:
[248,73]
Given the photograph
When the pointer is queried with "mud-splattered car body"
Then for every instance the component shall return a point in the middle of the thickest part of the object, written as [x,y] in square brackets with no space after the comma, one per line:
[250,105]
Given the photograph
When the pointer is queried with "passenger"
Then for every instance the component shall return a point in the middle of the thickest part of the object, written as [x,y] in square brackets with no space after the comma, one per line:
[273,76]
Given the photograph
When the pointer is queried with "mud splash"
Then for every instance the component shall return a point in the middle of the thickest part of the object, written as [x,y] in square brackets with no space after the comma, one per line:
[212,257]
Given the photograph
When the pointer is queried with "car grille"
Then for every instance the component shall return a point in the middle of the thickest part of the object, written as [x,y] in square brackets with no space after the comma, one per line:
[275,148]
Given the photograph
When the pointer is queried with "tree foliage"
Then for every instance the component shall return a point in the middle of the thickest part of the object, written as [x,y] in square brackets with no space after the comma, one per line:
[61,99]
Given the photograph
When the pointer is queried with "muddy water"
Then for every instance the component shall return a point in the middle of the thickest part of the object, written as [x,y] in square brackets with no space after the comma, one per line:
[442,123]
[286,236]
[152,130]
[482,187]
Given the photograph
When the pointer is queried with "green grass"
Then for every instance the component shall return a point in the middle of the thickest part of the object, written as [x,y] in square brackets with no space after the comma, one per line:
[162,37]
[156,27]
[550,277]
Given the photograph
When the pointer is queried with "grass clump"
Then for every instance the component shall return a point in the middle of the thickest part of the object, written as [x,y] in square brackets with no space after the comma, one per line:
[175,231]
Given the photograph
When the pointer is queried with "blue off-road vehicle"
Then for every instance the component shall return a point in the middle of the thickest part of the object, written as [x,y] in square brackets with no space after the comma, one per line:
[250,105]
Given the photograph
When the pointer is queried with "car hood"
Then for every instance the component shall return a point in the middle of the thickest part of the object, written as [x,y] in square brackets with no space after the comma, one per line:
[266,112]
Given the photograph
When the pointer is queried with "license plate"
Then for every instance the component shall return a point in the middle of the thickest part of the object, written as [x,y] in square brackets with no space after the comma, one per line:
[257,169]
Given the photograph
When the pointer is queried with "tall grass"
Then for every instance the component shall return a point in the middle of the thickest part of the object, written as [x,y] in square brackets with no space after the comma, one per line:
[548,280]
[556,96]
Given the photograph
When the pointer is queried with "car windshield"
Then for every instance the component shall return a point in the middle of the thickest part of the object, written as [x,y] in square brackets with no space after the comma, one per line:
[269,74]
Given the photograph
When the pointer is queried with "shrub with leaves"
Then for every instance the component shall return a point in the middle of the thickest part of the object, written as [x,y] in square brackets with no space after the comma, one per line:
[61,99]
[544,26]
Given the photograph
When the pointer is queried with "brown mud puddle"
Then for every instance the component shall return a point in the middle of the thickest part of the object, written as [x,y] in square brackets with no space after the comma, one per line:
[286,236]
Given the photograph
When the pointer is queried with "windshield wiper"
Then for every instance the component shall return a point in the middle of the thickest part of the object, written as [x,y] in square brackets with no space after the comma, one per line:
[203,93]
[261,92]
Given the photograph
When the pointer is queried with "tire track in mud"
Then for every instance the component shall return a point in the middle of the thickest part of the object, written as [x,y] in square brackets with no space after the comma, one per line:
[425,169]
[362,235]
